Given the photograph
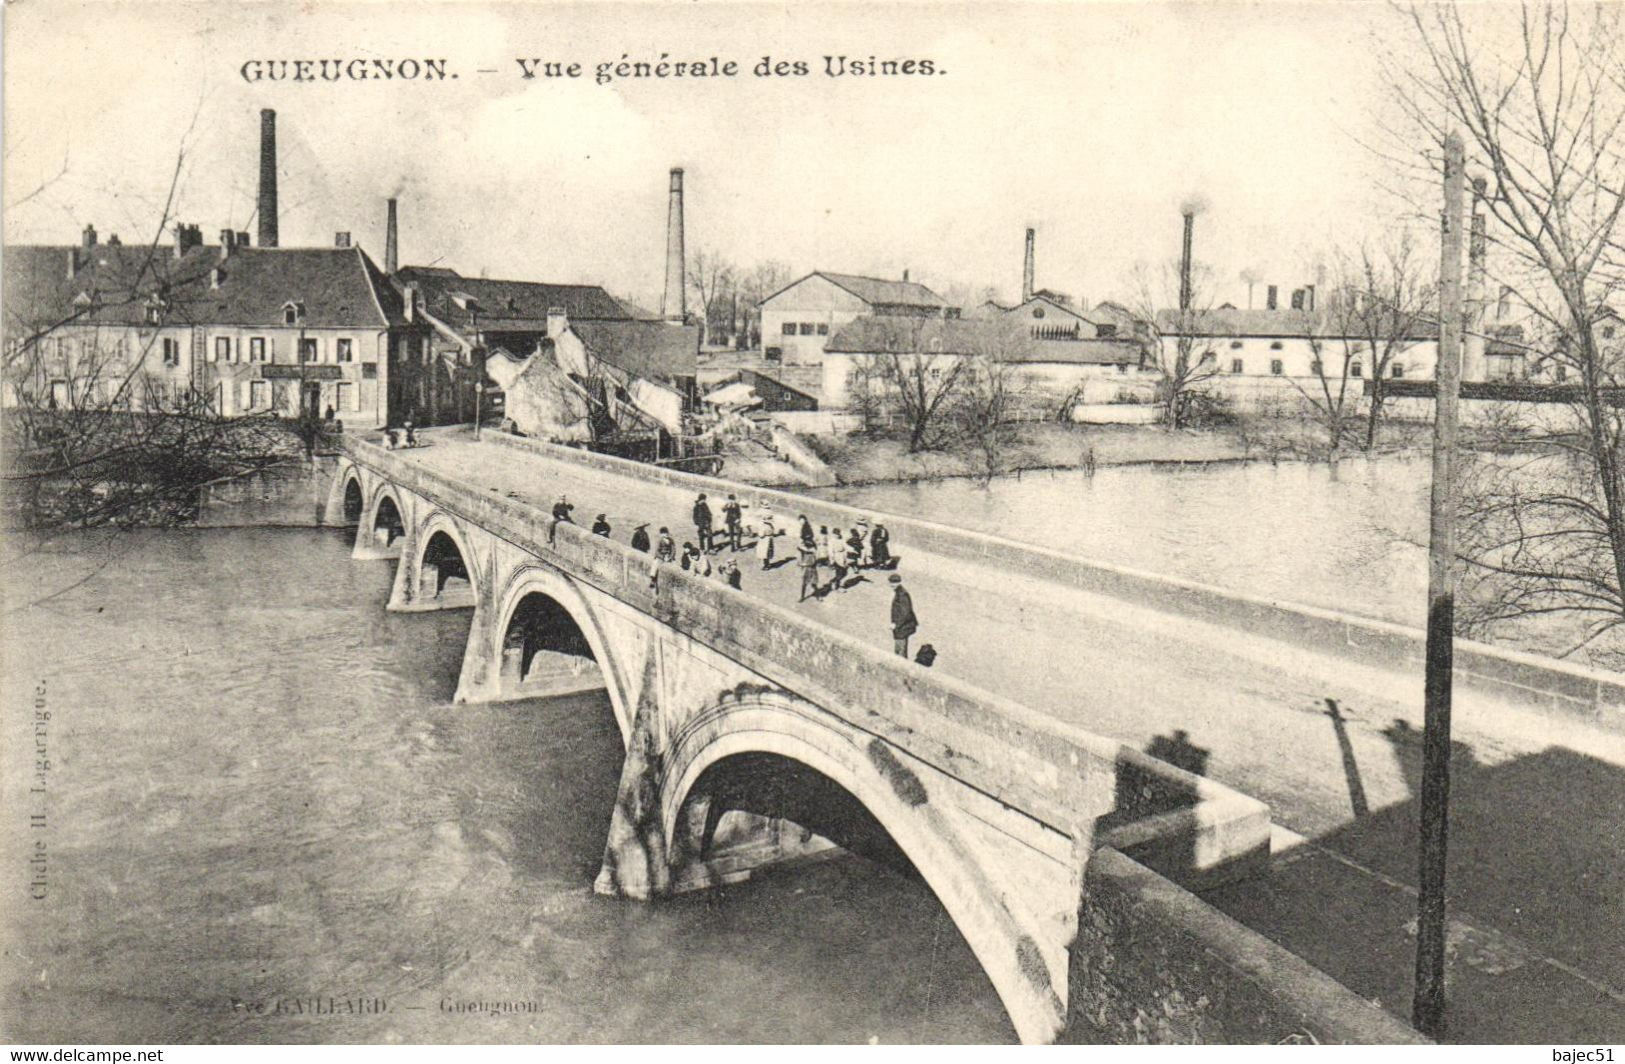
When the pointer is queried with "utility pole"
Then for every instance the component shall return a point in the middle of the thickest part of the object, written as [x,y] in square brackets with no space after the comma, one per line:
[1428,1005]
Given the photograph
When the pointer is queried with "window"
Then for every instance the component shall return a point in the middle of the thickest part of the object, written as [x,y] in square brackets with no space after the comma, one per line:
[1209,356]
[1105,331]
[172,351]
[346,350]
[1317,367]
[1607,332]
[258,394]
[1562,373]
[1275,367]
[290,314]
[1235,345]
[1356,370]
[222,349]
[823,328]
[59,395]
[773,354]
[1038,312]
[1276,345]
[154,313]
[1122,367]
[789,328]
[1398,370]
[307,349]
[345,396]
[256,349]
[1235,365]
[806,328]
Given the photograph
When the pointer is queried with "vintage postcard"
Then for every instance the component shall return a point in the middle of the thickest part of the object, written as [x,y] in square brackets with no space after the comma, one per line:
[751,523]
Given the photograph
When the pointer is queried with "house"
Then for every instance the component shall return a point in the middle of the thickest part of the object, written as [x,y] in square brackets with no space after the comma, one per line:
[799,319]
[1261,349]
[1045,372]
[254,329]
[1046,317]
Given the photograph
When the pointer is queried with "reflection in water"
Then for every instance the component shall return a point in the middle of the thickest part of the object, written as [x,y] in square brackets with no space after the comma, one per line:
[262,793]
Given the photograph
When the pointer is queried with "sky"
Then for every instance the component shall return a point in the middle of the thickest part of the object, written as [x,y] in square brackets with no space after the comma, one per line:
[1091,122]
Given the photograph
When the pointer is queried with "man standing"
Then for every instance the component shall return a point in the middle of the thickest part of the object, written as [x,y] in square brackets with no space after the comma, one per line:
[903,622]
[730,517]
[809,566]
[702,522]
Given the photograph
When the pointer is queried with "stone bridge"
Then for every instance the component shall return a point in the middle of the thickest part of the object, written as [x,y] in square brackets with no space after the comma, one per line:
[755,736]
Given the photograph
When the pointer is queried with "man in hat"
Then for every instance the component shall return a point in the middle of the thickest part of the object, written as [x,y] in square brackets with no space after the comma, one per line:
[562,508]
[730,518]
[666,548]
[903,622]
[702,522]
[640,538]
[600,526]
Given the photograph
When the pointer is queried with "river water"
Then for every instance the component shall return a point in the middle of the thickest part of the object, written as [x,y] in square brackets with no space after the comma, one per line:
[261,800]
[1346,538]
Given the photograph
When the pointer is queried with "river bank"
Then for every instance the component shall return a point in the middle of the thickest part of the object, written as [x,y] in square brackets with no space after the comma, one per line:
[1051,446]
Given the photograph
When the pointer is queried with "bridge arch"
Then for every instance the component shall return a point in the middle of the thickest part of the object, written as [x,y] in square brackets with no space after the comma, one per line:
[870,772]
[550,603]
[443,551]
[353,498]
[384,521]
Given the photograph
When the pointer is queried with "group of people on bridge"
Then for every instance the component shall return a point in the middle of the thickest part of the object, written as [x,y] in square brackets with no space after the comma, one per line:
[846,554]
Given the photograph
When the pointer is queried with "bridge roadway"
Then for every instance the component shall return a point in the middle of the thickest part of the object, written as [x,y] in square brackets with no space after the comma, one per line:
[1324,741]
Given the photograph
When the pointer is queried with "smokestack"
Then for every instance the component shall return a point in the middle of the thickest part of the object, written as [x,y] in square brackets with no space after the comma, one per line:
[1027,270]
[392,246]
[1185,263]
[1271,297]
[267,202]
[673,305]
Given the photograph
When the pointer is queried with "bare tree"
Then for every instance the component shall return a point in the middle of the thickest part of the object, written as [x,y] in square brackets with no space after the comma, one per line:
[100,429]
[1543,119]
[907,377]
[755,285]
[1380,307]
[1179,340]
[713,280]
[989,393]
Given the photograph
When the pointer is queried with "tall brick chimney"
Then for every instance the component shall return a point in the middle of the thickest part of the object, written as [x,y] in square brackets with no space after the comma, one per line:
[267,201]
[392,245]
[1027,270]
[1185,295]
[674,304]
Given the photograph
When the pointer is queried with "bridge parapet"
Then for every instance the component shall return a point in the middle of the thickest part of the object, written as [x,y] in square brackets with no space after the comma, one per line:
[1558,687]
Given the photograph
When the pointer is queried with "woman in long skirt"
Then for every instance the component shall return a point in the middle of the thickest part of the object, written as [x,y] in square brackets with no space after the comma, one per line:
[764,541]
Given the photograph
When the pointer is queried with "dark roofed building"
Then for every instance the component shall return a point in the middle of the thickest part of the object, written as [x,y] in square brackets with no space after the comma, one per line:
[476,316]
[255,329]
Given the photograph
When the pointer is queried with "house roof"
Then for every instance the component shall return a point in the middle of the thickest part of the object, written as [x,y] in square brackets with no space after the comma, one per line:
[506,306]
[959,336]
[1281,324]
[876,291]
[1056,305]
[652,349]
[337,287]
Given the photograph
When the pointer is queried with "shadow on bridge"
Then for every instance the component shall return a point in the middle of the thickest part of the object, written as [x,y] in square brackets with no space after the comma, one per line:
[1536,891]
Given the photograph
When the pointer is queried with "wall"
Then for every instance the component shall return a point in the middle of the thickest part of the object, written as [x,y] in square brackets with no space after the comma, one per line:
[1545,683]
[1154,964]
[812,300]
[1297,356]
